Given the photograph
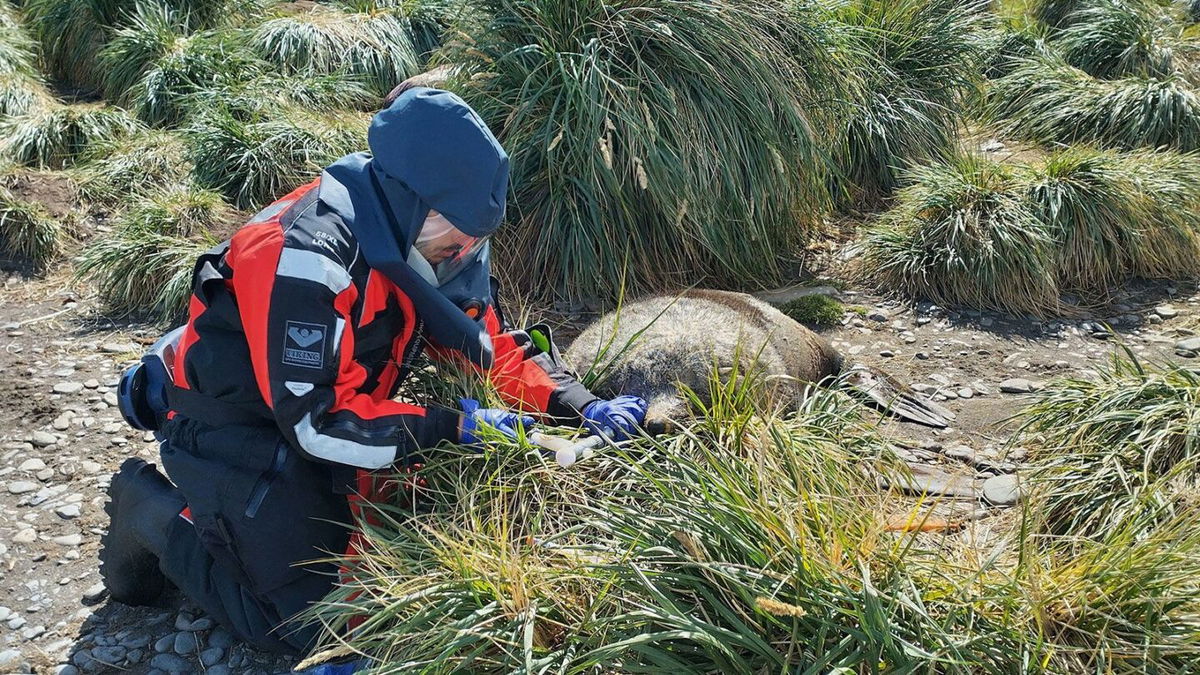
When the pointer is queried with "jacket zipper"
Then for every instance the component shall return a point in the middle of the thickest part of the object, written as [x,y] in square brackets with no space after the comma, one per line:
[264,481]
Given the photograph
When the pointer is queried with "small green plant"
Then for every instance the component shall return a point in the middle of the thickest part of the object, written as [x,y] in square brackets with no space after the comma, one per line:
[253,163]
[818,310]
[145,265]
[57,134]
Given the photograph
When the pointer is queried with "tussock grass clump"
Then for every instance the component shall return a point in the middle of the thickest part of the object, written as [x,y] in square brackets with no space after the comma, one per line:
[962,233]
[916,64]
[1048,101]
[18,51]
[154,64]
[73,32]
[58,134]
[252,163]
[1119,451]
[145,264]
[1110,39]
[644,135]
[135,167]
[28,231]
[1125,602]
[376,46]
[20,94]
[745,542]
[1115,215]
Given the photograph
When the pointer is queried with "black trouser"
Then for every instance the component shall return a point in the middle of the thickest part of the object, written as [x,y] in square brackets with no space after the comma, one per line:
[259,509]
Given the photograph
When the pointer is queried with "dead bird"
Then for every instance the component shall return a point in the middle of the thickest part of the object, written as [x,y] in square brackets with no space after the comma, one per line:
[651,346]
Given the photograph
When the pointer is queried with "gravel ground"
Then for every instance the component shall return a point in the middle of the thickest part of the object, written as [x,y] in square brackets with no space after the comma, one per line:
[61,438]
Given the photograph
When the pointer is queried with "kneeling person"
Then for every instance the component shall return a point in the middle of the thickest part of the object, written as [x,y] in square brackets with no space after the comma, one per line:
[301,329]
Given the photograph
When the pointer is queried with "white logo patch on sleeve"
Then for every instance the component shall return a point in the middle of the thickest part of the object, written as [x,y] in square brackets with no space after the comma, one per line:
[304,344]
[298,388]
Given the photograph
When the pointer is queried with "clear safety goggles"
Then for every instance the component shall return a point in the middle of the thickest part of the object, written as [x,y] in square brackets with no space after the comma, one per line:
[447,249]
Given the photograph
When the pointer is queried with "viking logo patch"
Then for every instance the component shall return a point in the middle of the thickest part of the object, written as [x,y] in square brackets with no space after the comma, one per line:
[304,345]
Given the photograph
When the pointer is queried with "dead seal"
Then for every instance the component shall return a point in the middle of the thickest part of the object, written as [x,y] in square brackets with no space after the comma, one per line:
[651,346]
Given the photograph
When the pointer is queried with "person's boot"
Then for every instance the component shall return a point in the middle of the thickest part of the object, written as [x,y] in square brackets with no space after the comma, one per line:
[142,504]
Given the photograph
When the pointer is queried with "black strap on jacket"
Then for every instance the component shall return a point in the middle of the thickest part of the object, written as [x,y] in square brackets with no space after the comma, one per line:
[213,412]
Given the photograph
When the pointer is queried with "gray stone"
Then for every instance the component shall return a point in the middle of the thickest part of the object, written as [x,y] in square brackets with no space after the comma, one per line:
[171,663]
[164,643]
[117,347]
[887,353]
[11,661]
[68,387]
[92,383]
[90,467]
[186,643]
[1166,311]
[928,480]
[20,487]
[1002,490]
[135,641]
[68,511]
[211,656]
[203,623]
[113,656]
[43,438]
[33,632]
[32,464]
[963,453]
[220,669]
[5,613]
[220,638]
[95,593]
[69,540]
[135,655]
[782,296]
[65,669]
[1016,385]
[966,392]
[1191,344]
[878,315]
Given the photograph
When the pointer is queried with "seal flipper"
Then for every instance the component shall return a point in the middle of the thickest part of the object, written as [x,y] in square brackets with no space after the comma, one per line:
[895,398]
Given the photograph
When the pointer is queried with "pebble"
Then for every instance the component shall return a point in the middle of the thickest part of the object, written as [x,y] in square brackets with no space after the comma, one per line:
[32,464]
[220,638]
[171,663]
[65,669]
[1191,344]
[220,669]
[11,661]
[91,384]
[113,656]
[210,656]
[164,643]
[878,315]
[1016,385]
[887,353]
[67,387]
[966,392]
[43,438]
[1002,490]
[69,540]
[5,613]
[67,511]
[1166,311]
[95,593]
[25,536]
[20,487]
[186,643]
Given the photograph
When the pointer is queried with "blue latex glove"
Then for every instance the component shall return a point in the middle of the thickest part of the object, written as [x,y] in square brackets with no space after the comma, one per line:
[617,419]
[504,421]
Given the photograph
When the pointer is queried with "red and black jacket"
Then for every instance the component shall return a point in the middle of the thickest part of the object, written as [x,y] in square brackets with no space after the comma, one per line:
[288,323]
